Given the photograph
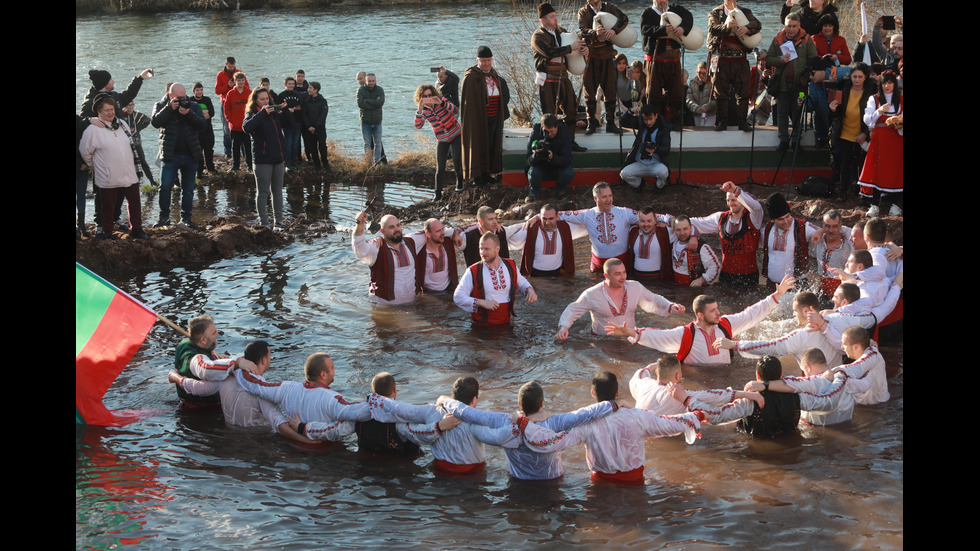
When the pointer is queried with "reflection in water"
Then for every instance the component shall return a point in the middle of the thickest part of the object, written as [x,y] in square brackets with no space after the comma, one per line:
[191,481]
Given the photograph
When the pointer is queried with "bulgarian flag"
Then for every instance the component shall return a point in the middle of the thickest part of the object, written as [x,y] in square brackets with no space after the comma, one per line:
[110,326]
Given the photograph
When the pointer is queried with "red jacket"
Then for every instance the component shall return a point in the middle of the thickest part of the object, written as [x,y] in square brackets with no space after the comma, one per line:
[837,46]
[235,108]
[221,83]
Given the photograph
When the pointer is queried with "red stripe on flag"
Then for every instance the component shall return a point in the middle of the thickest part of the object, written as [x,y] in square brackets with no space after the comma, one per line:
[119,335]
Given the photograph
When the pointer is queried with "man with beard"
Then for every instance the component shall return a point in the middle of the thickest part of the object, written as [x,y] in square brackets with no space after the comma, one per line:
[195,355]
[489,288]
[437,259]
[483,110]
[547,241]
[468,237]
[693,264]
[739,230]
[554,87]
[648,254]
[786,242]
[392,258]
[614,301]
[694,343]
[601,70]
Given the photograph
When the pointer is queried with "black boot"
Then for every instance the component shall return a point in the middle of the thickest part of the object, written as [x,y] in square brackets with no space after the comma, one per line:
[611,127]
[82,230]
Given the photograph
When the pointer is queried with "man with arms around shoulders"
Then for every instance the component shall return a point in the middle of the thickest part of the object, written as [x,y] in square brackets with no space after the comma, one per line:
[694,343]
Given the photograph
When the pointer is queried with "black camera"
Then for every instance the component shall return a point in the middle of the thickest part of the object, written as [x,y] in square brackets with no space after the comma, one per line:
[539,151]
[183,102]
[645,154]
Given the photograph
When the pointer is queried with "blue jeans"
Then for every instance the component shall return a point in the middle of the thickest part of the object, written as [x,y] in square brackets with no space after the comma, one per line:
[225,132]
[372,139]
[821,110]
[187,165]
[292,136]
[537,174]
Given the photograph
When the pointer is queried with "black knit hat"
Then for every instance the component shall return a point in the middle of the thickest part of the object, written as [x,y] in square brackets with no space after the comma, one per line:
[544,9]
[100,79]
[484,51]
[777,206]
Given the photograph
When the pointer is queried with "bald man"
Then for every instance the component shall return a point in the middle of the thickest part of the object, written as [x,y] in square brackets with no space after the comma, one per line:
[180,122]
[392,258]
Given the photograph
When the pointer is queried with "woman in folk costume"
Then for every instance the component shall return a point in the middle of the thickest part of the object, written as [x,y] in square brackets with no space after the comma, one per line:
[882,175]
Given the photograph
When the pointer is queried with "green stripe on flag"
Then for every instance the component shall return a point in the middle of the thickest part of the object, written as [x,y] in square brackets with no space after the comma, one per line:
[92,298]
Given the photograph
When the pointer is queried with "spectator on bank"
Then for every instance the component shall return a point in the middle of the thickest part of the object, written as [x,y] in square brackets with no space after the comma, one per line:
[264,122]
[107,146]
[441,115]
[699,100]
[315,127]
[206,136]
[234,109]
[848,130]
[448,84]
[294,107]
[224,82]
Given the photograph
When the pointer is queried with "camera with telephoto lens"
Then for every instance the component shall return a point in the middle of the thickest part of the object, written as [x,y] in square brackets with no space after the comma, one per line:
[183,102]
[539,151]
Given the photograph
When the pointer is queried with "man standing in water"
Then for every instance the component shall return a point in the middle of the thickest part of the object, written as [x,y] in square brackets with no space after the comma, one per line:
[240,408]
[608,227]
[391,258]
[615,300]
[694,343]
[489,288]
[739,230]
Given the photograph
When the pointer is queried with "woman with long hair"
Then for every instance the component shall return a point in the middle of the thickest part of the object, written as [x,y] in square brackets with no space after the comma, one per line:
[264,123]
[107,146]
[441,115]
[848,132]
[882,176]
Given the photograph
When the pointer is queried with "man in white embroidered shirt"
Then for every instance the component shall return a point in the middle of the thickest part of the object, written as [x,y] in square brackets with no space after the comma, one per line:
[694,343]
[489,288]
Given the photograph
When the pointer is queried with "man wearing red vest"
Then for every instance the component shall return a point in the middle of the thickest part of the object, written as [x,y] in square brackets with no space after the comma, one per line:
[392,258]
[488,288]
[739,230]
[694,263]
[547,242]
[435,263]
[694,343]
[648,252]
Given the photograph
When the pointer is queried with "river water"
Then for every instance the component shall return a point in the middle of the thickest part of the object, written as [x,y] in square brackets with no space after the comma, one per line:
[181,480]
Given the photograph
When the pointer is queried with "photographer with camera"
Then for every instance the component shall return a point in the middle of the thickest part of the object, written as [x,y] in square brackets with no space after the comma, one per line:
[650,149]
[549,156]
[180,121]
[441,114]
[791,51]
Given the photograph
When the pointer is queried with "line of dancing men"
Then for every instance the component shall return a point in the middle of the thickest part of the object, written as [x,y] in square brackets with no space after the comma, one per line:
[834,347]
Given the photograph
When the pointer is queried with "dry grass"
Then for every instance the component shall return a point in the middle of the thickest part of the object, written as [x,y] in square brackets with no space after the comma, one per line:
[850,16]
[514,59]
